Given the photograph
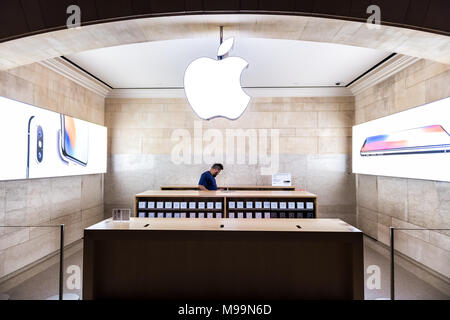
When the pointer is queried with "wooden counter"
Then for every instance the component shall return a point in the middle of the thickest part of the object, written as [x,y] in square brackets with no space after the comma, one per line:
[221,194]
[223,259]
[236,188]
[307,225]
[287,204]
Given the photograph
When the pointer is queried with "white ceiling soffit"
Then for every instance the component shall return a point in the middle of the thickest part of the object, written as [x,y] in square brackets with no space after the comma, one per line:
[267,69]
[280,67]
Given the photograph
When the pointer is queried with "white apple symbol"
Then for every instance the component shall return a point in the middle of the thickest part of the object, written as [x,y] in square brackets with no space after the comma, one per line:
[213,87]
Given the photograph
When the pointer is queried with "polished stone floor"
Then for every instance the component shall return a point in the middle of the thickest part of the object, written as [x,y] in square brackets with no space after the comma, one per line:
[408,286]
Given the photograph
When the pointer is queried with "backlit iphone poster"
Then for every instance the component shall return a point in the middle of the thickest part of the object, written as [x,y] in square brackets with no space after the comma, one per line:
[38,143]
[412,144]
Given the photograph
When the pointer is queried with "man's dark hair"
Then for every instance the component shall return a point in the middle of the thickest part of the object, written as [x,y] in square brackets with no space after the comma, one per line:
[217,166]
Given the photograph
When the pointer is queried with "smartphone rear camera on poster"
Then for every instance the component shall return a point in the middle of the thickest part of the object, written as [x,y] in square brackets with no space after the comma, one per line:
[40,144]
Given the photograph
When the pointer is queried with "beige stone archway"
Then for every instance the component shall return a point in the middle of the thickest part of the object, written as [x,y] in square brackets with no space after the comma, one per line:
[54,44]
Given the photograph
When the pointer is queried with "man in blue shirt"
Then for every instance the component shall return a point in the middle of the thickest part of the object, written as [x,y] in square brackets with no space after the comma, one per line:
[208,178]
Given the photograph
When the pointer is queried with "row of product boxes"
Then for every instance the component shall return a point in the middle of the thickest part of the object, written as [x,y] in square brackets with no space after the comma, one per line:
[270,215]
[231,215]
[270,205]
[180,215]
[179,205]
[231,205]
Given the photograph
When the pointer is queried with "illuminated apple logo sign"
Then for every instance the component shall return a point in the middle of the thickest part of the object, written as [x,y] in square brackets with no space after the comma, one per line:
[213,87]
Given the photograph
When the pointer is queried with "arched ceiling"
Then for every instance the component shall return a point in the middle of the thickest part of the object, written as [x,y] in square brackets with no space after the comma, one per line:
[69,41]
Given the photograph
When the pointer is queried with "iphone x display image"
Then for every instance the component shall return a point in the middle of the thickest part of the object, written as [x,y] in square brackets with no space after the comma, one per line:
[75,140]
[38,143]
[428,139]
[35,153]
[43,157]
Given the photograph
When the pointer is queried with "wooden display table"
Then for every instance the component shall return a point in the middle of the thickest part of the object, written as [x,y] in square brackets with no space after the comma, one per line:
[235,188]
[223,259]
[225,204]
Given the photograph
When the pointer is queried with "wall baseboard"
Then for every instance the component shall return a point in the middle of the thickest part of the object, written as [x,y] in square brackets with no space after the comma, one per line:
[421,271]
[14,279]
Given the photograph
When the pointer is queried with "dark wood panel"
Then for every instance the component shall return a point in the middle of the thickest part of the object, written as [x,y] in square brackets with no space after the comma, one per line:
[55,13]
[222,265]
[417,12]
[304,5]
[169,7]
[88,11]
[12,19]
[220,5]
[33,14]
[279,5]
[338,8]
[249,5]
[392,11]
[141,7]
[24,17]
[194,5]
[438,15]
[108,9]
